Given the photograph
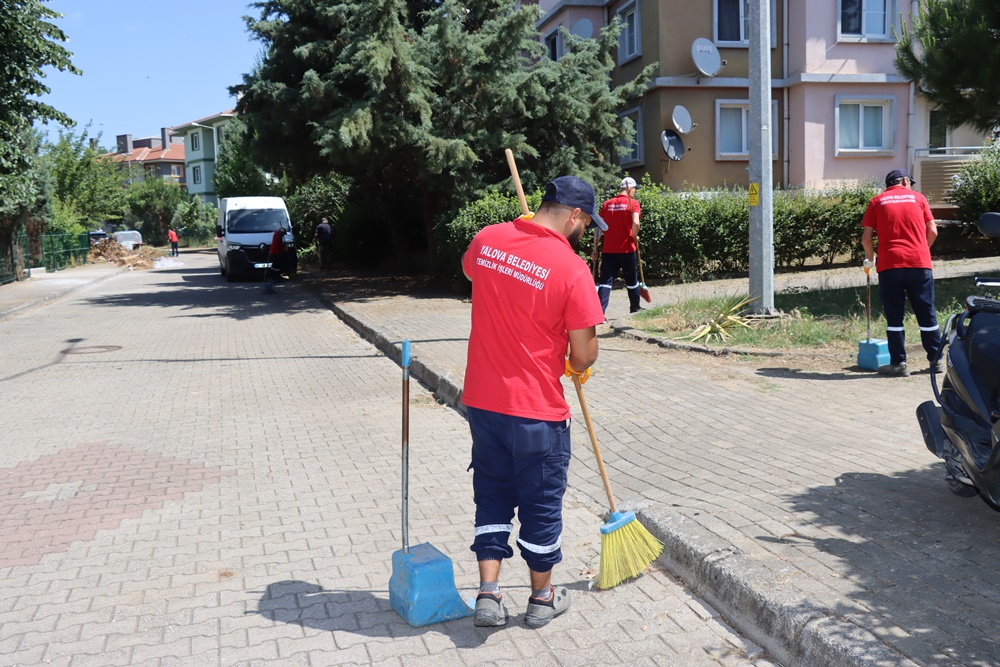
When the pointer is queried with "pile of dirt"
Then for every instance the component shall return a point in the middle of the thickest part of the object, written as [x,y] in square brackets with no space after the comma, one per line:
[109,250]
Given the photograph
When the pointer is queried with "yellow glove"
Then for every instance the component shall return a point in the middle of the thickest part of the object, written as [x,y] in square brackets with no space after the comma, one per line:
[582,377]
[528,216]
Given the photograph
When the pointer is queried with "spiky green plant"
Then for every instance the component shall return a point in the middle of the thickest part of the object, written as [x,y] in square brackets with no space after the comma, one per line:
[730,316]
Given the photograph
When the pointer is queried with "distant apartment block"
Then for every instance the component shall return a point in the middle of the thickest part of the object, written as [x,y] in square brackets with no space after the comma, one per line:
[201,148]
[151,157]
[840,111]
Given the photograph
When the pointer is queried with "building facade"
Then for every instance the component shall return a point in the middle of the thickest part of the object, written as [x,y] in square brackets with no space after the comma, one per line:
[201,150]
[841,112]
[151,157]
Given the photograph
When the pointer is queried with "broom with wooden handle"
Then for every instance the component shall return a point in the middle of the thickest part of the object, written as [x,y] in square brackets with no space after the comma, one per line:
[627,548]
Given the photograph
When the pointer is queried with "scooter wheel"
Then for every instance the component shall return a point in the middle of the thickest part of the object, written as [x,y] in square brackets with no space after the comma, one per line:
[959,489]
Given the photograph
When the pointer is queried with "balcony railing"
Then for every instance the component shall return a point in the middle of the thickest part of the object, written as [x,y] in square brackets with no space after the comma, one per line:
[936,169]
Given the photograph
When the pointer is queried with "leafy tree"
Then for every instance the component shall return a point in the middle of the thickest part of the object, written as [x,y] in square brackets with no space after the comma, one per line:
[195,220]
[236,171]
[30,43]
[415,101]
[87,184]
[152,204]
[977,187]
[322,195]
[952,53]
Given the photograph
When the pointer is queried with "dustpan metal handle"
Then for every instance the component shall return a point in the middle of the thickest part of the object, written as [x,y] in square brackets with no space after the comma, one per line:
[406,446]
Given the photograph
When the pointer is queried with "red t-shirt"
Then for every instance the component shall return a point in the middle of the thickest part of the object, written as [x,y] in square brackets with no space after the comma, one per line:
[618,215]
[172,236]
[529,289]
[899,217]
[278,242]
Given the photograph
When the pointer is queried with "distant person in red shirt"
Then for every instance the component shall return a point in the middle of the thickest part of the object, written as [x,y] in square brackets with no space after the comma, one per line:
[901,220]
[172,237]
[532,296]
[620,244]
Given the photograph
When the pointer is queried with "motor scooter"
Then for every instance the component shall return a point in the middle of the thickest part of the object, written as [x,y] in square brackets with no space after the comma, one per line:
[963,426]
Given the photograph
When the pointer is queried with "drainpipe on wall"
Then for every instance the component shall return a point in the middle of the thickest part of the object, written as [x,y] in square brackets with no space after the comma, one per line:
[785,166]
[911,149]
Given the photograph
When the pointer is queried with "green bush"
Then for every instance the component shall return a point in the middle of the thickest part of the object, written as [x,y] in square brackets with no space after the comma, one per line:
[977,189]
[699,234]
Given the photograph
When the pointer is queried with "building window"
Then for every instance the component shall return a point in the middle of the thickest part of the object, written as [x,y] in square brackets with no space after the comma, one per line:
[175,170]
[218,134]
[865,18]
[937,130]
[552,44]
[732,20]
[864,125]
[633,147]
[732,129]
[195,141]
[196,174]
[629,41]
[151,172]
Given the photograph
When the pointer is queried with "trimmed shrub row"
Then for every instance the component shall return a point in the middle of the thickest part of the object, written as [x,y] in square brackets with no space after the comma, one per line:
[700,234]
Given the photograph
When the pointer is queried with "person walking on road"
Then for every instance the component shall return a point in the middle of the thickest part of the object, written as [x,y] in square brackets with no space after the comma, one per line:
[172,237]
[324,237]
[532,296]
[620,244]
[901,220]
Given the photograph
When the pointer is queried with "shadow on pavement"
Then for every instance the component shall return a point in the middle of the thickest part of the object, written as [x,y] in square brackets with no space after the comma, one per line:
[369,285]
[799,374]
[917,553]
[359,612]
[205,290]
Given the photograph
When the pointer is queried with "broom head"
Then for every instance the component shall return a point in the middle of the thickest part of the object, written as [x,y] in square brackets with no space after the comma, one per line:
[627,549]
[644,292]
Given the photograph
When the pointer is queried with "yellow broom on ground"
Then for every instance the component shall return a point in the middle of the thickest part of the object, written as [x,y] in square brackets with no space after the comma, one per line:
[627,548]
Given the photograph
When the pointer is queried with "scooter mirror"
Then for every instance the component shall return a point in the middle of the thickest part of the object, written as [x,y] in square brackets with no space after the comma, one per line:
[989,224]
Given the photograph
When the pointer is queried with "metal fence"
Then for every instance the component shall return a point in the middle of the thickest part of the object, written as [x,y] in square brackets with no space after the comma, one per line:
[18,245]
[62,250]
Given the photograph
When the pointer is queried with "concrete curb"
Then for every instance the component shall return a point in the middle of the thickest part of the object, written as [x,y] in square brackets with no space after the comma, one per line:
[797,633]
[622,329]
[56,296]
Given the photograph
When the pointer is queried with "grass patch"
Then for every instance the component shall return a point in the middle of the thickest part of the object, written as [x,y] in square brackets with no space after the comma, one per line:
[823,319]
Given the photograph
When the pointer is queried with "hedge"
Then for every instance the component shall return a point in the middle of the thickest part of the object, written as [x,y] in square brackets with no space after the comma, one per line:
[700,234]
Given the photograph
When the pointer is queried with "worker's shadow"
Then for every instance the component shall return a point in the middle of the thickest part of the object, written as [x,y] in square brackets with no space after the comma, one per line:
[356,611]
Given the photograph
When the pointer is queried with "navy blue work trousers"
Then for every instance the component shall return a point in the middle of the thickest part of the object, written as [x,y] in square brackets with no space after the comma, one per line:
[895,286]
[611,264]
[520,464]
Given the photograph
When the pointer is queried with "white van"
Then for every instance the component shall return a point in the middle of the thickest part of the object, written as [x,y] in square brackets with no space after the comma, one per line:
[246,228]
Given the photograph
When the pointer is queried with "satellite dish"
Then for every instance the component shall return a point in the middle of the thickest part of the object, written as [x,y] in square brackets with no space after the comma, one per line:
[682,119]
[673,145]
[706,57]
[583,28]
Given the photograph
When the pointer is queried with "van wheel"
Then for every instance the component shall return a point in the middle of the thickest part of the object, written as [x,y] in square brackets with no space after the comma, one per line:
[222,270]
[229,276]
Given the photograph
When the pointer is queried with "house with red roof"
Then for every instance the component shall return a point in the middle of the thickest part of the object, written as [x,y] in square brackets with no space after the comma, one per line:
[151,157]
[202,138]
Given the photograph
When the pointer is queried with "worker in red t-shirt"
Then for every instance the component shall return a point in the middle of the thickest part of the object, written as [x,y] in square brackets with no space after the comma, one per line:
[902,221]
[620,243]
[532,296]
[277,250]
[172,237]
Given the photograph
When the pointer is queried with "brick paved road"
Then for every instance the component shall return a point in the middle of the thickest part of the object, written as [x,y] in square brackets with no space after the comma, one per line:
[819,478]
[194,473]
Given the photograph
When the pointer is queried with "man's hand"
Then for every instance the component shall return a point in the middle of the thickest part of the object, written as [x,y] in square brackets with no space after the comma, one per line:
[868,265]
[582,377]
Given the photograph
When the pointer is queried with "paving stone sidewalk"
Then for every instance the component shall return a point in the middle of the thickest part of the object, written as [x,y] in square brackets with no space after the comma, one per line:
[802,503]
[195,473]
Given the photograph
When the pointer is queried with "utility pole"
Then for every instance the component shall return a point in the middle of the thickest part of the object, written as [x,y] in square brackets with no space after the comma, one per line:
[761,180]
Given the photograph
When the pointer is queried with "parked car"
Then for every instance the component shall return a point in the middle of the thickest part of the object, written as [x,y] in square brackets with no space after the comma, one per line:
[130,239]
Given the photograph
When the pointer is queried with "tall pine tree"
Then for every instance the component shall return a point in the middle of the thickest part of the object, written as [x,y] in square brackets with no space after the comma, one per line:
[952,52]
[415,101]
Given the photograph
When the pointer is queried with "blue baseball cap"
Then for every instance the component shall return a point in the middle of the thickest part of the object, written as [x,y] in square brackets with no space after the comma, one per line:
[897,175]
[575,193]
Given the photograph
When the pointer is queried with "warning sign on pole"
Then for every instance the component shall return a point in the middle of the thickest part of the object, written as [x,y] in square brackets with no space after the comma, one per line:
[755,194]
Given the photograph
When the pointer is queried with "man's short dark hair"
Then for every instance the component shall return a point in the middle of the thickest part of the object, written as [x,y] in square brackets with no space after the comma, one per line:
[553,207]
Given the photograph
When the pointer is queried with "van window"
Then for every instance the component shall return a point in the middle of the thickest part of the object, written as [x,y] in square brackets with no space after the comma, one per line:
[248,221]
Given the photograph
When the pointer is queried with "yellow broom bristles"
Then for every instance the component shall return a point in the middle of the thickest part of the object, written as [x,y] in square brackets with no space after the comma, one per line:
[626,552]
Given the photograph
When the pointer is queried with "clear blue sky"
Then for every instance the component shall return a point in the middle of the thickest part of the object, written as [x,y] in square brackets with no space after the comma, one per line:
[148,65]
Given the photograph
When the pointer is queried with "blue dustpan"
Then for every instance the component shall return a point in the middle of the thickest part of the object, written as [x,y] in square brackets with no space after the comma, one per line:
[422,586]
[873,352]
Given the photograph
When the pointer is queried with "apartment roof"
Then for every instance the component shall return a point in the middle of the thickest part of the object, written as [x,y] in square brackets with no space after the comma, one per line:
[173,153]
[207,120]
